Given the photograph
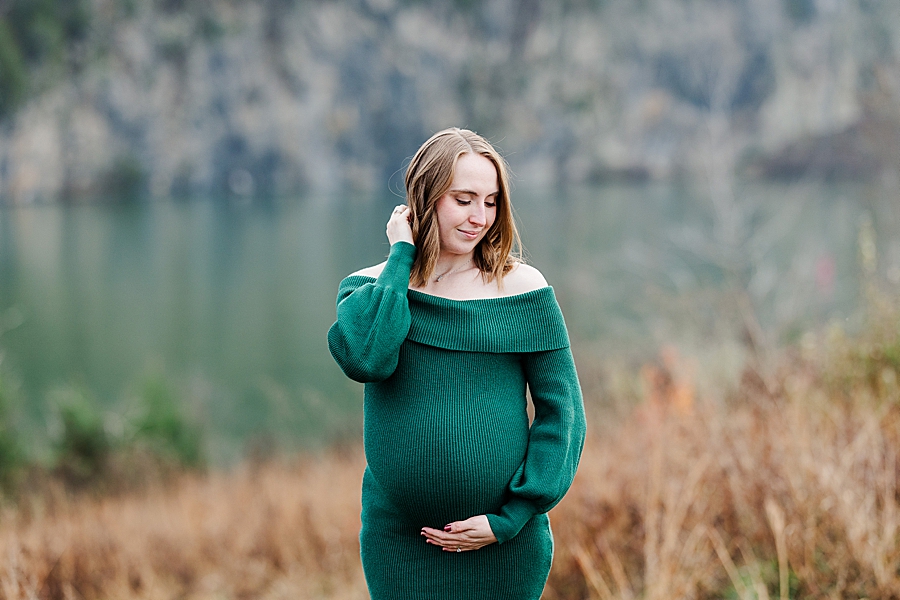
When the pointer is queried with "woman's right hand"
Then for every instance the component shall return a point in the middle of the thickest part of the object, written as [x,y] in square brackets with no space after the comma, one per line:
[398,228]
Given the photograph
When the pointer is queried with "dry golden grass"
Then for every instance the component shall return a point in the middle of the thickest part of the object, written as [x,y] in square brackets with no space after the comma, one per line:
[266,531]
[794,495]
[786,488]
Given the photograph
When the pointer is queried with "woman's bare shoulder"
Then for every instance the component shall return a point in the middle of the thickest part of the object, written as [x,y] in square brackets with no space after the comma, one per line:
[374,271]
[523,279]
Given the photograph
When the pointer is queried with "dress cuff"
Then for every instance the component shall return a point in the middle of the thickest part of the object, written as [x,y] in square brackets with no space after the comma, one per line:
[396,271]
[512,518]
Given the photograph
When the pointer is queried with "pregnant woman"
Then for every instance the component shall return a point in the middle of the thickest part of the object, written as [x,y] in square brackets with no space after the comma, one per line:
[447,334]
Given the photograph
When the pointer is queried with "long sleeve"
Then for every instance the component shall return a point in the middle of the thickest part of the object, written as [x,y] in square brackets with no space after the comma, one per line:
[555,442]
[373,319]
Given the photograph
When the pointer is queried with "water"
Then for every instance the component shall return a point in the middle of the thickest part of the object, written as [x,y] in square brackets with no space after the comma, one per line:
[231,303]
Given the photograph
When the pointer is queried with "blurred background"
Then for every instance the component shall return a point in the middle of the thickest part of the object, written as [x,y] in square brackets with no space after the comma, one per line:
[185,182]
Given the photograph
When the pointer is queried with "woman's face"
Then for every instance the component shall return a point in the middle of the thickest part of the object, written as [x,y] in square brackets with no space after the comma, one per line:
[467,210]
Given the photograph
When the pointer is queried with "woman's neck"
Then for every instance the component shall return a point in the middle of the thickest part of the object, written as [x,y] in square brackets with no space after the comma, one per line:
[448,267]
[451,262]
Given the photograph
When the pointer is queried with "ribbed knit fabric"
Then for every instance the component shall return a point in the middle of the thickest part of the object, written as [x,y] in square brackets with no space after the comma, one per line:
[447,434]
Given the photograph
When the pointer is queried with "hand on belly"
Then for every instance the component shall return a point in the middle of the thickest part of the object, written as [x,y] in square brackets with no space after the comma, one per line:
[471,534]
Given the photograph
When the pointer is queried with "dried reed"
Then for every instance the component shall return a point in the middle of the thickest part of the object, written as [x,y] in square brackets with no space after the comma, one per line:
[787,490]
[791,495]
[263,531]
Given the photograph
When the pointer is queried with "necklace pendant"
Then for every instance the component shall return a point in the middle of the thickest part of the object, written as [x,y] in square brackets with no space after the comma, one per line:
[442,275]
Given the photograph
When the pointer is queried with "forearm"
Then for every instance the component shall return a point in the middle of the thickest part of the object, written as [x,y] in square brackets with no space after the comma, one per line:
[373,320]
[556,439]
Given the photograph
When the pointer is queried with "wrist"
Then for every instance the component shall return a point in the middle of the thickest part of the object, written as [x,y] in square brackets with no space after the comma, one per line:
[408,241]
[399,265]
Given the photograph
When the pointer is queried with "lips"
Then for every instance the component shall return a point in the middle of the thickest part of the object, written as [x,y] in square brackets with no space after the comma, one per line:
[469,234]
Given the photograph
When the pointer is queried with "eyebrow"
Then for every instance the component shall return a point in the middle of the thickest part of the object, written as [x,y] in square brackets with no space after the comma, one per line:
[472,193]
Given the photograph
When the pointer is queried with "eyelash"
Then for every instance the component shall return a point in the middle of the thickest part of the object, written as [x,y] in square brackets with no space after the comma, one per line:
[467,202]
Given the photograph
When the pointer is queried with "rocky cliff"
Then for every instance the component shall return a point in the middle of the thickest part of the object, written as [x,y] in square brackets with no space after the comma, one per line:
[186,97]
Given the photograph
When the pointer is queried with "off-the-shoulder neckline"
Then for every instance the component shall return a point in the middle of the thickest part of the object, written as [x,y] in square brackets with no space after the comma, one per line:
[434,297]
[526,322]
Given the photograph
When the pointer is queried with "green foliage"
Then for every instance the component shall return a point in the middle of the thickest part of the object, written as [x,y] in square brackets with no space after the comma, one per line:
[83,448]
[125,180]
[164,428]
[866,365]
[34,33]
[10,452]
[869,365]
[761,577]
[880,363]
[157,442]
[13,73]
[45,29]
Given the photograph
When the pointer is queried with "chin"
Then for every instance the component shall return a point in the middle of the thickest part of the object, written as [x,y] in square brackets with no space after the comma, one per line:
[461,248]
[454,244]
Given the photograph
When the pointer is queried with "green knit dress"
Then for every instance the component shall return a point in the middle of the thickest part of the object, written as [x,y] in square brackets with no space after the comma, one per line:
[447,434]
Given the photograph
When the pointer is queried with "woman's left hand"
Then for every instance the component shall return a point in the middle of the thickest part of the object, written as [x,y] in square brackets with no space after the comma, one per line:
[471,534]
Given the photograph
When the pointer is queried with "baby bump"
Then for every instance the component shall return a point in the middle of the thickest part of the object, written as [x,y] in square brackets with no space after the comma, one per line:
[443,469]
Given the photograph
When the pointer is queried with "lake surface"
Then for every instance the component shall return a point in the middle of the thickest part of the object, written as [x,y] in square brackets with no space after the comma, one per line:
[231,302]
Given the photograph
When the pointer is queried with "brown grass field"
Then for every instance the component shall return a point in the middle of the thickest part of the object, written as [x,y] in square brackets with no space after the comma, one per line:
[786,486]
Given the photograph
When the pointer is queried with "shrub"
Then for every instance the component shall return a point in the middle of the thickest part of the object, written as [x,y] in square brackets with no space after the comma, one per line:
[13,73]
[125,180]
[10,452]
[164,429]
[84,447]
[36,33]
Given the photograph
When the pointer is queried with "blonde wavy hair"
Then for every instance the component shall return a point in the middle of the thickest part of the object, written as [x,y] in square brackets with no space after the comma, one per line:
[428,177]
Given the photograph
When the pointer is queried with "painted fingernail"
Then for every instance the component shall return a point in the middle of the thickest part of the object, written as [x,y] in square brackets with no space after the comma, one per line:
[447,528]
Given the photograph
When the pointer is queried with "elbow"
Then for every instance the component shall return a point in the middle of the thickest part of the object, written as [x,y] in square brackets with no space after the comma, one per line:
[358,365]
[363,360]
[364,373]
[363,369]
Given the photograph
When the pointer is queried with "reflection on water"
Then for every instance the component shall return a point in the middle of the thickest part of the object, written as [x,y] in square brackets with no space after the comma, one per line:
[232,303]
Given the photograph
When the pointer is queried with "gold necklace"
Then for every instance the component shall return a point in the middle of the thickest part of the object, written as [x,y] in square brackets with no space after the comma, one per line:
[442,275]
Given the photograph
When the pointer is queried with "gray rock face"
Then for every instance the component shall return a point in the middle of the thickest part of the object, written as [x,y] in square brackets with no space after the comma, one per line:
[270,97]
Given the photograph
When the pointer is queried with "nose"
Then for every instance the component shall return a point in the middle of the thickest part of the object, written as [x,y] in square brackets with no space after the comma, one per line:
[476,217]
